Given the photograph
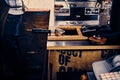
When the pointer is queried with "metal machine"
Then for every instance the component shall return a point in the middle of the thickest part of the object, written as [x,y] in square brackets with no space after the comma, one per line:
[76,12]
[80,12]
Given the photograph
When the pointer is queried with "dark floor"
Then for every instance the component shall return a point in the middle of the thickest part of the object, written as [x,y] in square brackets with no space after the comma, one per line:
[25,61]
[24,57]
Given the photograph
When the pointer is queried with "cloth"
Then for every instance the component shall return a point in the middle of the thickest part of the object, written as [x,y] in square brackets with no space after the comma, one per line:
[114,36]
[11,57]
[115,16]
[3,15]
[14,25]
[16,7]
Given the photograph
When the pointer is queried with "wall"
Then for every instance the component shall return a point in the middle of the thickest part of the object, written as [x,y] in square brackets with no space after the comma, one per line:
[43,4]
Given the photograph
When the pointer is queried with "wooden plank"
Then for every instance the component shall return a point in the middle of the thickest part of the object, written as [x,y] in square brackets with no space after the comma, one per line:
[90,47]
[36,10]
[69,37]
[68,27]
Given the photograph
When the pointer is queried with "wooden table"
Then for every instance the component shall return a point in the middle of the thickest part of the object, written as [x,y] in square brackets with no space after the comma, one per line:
[72,55]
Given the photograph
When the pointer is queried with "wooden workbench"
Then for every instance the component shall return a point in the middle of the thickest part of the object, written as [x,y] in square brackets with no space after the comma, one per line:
[36,10]
[77,45]
[70,54]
